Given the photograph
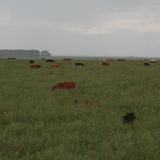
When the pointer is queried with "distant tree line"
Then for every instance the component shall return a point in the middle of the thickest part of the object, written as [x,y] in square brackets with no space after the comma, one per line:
[23,53]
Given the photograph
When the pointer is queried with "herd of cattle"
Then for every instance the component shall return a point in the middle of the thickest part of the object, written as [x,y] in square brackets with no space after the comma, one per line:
[52,65]
[151,61]
[128,118]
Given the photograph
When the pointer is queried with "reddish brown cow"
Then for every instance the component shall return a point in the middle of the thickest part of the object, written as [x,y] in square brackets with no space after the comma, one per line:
[64,85]
[35,66]
[87,102]
[109,60]
[55,65]
[67,59]
[104,63]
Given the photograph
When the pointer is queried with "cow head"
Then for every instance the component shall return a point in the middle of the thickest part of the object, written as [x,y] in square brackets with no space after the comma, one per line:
[52,87]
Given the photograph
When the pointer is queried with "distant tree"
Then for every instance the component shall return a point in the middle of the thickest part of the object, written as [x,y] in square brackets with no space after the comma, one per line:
[19,53]
[45,53]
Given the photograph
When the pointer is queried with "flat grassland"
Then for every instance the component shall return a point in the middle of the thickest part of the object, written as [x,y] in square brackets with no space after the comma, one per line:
[37,123]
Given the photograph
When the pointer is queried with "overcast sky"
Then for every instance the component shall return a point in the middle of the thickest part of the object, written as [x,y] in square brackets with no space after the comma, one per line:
[82,27]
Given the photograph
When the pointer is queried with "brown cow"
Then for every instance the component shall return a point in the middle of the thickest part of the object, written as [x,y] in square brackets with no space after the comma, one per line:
[35,66]
[104,63]
[109,60]
[88,102]
[55,65]
[64,85]
[67,59]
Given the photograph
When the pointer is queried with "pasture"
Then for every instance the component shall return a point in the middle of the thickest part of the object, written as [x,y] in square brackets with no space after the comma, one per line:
[37,123]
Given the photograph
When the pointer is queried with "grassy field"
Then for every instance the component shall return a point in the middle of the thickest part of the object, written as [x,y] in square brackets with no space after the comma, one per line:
[37,123]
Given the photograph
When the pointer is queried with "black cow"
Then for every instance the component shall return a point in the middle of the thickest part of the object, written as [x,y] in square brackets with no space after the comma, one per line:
[79,64]
[49,60]
[76,101]
[146,64]
[31,61]
[128,118]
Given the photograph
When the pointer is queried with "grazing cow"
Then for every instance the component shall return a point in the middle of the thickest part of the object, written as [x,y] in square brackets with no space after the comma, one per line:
[76,101]
[104,63]
[67,59]
[31,61]
[153,61]
[88,102]
[43,58]
[79,64]
[35,66]
[55,65]
[64,85]
[49,60]
[109,60]
[11,58]
[146,64]
[128,118]
[120,59]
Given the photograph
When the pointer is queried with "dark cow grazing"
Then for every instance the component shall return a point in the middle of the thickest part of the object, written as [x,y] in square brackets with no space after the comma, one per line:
[120,59]
[146,64]
[79,64]
[76,101]
[11,58]
[87,102]
[64,85]
[128,118]
[35,66]
[49,60]
[31,61]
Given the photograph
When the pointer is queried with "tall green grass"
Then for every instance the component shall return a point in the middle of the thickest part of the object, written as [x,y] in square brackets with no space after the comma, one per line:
[37,123]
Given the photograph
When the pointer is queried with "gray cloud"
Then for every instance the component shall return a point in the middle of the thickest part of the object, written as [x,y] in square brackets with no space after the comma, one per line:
[73,27]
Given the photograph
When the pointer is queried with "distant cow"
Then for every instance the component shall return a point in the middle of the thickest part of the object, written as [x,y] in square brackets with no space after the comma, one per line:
[11,58]
[104,63]
[49,60]
[67,59]
[35,66]
[109,60]
[43,58]
[120,59]
[55,65]
[153,61]
[146,64]
[76,101]
[79,64]
[88,102]
[31,61]
[128,118]
[64,85]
